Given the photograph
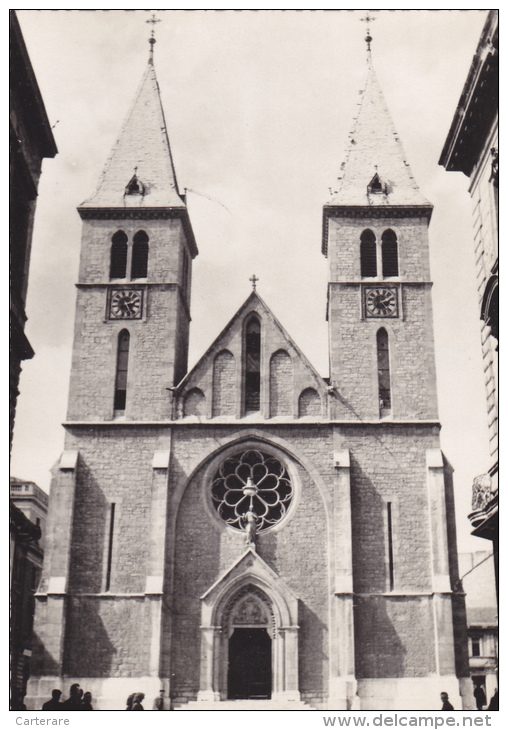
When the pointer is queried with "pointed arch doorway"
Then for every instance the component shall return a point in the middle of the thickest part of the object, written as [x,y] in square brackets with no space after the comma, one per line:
[249,675]
[249,635]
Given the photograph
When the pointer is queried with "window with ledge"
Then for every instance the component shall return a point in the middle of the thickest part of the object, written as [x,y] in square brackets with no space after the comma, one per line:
[476,646]
[368,254]
[118,260]
[122,364]
[139,266]
[252,349]
[389,254]
[383,373]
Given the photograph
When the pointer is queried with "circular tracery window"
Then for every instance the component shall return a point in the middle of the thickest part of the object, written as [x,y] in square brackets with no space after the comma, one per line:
[252,481]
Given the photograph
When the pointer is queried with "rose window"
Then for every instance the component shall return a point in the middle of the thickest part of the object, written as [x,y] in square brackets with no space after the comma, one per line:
[252,482]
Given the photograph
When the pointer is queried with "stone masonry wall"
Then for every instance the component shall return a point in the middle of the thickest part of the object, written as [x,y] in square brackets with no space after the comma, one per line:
[205,549]
[158,340]
[224,401]
[410,334]
[165,240]
[411,355]
[298,374]
[151,356]
[344,246]
[281,384]
[387,464]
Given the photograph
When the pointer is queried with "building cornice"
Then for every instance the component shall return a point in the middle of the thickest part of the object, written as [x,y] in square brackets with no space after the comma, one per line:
[113,213]
[192,421]
[477,109]
[370,212]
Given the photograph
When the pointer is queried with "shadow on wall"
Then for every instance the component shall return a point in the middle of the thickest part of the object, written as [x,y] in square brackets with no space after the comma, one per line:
[458,600]
[379,653]
[313,664]
[370,571]
[42,662]
[89,533]
[88,649]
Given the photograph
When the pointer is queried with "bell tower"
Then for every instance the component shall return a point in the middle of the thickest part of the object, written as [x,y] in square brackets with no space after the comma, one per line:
[379,291]
[132,314]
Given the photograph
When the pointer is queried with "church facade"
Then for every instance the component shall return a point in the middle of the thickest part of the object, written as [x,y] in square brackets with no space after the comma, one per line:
[248,529]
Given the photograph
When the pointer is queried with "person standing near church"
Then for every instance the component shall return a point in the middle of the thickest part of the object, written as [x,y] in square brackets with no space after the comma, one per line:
[479,696]
[138,699]
[447,705]
[158,703]
[54,703]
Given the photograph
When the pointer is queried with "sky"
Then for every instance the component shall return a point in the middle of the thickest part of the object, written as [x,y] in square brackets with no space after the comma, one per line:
[258,106]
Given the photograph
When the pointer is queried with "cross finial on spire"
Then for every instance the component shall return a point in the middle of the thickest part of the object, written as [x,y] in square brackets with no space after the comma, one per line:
[368,19]
[254,279]
[152,40]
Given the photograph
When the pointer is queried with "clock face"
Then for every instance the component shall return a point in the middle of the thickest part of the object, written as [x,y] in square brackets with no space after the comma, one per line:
[125,304]
[381,302]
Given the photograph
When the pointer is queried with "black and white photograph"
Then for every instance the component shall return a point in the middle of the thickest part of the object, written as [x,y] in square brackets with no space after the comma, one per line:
[254,362]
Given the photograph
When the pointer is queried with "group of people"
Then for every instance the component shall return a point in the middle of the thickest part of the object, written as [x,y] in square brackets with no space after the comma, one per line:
[480,700]
[135,701]
[78,700]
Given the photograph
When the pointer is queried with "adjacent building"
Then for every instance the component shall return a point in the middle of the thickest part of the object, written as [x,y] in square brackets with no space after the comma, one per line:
[249,532]
[479,585]
[472,148]
[31,140]
[28,509]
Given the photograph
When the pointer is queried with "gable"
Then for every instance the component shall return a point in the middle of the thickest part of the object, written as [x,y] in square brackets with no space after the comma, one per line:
[253,369]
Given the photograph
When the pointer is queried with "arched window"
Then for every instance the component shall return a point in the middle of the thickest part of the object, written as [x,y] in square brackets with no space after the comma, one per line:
[118,262]
[368,253]
[139,268]
[389,254]
[122,363]
[281,384]
[194,403]
[383,373]
[252,349]
[309,403]
[224,384]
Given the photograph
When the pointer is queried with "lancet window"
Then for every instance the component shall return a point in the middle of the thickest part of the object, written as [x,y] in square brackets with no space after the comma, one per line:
[139,267]
[368,253]
[118,260]
[252,366]
[389,254]
[122,363]
[383,372]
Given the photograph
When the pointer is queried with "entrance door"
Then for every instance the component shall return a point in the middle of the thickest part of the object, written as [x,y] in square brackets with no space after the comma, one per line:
[250,665]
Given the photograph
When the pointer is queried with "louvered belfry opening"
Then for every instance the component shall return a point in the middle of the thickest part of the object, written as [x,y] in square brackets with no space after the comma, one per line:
[139,268]
[252,365]
[118,262]
[389,253]
[368,255]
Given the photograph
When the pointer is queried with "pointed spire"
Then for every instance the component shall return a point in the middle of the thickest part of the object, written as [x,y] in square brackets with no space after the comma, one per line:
[368,38]
[152,40]
[375,171]
[142,146]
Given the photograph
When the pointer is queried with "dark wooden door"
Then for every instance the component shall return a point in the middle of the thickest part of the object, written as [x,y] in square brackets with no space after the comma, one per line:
[250,665]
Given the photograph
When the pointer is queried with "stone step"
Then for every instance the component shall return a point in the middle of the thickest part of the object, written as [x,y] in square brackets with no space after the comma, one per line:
[247,705]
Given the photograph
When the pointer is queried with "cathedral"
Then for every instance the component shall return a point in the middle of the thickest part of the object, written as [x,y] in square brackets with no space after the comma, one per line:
[249,533]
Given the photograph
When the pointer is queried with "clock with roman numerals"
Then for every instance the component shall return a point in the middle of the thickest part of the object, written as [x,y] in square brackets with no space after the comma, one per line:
[125,304]
[381,302]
